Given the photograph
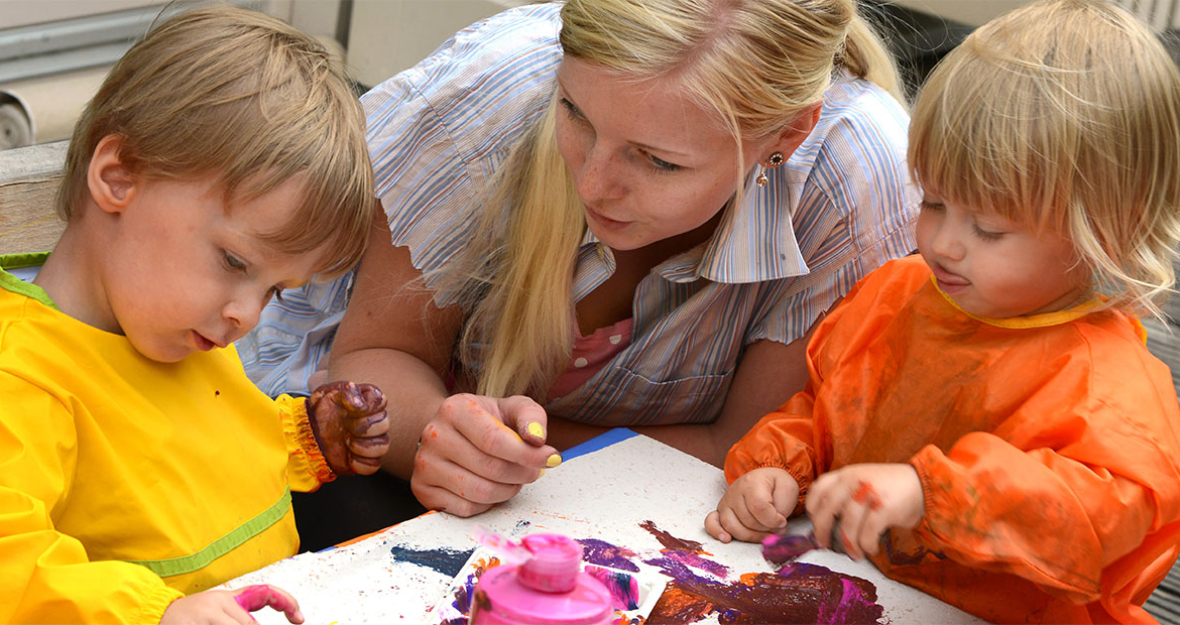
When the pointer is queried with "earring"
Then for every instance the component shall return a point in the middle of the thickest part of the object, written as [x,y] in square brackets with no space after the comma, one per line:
[776,160]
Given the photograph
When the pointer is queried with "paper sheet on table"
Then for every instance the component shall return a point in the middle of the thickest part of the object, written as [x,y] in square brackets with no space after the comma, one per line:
[605,495]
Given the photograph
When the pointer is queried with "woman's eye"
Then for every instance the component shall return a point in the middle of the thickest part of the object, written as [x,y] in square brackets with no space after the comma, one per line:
[572,110]
[662,165]
[233,262]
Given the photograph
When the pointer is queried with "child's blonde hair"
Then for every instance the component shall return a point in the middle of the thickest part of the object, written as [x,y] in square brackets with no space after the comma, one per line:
[1064,115]
[754,63]
[250,99]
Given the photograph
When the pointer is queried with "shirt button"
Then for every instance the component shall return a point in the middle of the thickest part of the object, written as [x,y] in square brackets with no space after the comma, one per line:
[581,362]
[614,339]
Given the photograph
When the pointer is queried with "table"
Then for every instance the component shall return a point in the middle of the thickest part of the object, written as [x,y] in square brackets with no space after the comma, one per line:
[620,489]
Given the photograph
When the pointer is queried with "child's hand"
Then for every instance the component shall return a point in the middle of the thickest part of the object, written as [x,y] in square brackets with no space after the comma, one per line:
[350,426]
[755,505]
[230,606]
[867,499]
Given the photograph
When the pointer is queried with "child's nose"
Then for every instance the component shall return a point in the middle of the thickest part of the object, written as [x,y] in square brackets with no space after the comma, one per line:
[948,244]
[243,315]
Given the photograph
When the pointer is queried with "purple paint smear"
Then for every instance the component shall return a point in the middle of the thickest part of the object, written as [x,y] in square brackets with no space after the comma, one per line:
[602,553]
[624,589]
[797,593]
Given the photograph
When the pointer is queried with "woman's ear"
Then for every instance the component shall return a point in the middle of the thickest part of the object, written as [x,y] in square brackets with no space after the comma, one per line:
[112,185]
[792,136]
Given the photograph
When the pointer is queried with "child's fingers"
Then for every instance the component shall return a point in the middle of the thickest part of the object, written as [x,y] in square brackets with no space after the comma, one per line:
[764,513]
[731,523]
[852,518]
[368,425]
[713,527]
[260,596]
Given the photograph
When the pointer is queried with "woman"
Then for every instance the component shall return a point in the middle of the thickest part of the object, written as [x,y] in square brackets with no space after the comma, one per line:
[638,233]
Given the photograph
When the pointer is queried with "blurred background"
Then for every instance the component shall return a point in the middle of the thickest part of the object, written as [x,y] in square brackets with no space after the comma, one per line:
[54,53]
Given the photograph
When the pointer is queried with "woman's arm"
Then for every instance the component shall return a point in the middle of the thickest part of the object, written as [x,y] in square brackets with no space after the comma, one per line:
[461,453]
[393,336]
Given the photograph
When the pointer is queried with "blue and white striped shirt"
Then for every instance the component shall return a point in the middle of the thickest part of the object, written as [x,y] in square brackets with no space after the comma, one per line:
[840,207]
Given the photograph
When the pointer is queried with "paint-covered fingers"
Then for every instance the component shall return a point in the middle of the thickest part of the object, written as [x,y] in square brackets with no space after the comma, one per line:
[351,426]
[488,425]
[253,598]
[867,499]
[448,487]
[223,607]
[526,417]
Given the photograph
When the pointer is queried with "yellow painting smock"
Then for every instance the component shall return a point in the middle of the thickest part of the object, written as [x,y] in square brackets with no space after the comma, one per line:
[125,482]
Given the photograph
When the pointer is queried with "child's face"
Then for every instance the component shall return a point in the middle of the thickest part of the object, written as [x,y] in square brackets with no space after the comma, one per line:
[183,275]
[995,268]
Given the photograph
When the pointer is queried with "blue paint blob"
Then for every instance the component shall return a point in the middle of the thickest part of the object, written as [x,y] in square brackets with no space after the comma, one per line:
[446,561]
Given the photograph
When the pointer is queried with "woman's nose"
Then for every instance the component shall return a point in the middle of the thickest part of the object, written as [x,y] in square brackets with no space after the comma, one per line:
[598,179]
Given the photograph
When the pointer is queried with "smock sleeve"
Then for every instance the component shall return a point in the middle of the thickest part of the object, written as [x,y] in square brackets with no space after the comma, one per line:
[307,469]
[45,575]
[1070,484]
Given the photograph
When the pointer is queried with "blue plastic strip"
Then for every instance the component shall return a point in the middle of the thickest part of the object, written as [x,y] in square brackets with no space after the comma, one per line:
[610,437]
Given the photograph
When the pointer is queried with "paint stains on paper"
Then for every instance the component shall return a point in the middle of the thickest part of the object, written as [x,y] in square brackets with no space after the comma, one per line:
[602,553]
[446,561]
[797,593]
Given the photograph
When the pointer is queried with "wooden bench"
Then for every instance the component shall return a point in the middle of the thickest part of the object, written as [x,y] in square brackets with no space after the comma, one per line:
[28,185]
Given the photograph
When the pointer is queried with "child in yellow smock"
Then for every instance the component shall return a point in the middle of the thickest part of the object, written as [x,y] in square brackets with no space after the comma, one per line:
[984,420]
[222,160]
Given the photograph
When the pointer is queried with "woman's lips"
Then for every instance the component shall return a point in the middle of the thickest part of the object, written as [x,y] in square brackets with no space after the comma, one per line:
[604,221]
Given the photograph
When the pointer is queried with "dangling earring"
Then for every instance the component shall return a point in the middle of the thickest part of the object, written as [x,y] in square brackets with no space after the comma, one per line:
[773,162]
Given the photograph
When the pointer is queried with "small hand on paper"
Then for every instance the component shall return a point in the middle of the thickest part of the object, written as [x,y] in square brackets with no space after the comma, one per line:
[350,425]
[868,499]
[215,607]
[756,505]
[478,451]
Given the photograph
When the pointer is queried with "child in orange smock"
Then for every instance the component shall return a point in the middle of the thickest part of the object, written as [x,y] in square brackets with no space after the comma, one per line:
[984,421]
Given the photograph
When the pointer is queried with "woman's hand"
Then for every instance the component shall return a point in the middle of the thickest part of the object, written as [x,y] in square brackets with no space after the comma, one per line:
[755,505]
[217,607]
[478,451]
[867,499]
[350,426]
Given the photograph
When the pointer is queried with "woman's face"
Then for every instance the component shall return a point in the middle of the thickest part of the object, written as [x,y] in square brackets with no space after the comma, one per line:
[647,162]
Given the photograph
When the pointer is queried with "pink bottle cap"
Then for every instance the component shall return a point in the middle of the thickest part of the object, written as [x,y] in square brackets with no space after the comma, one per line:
[554,565]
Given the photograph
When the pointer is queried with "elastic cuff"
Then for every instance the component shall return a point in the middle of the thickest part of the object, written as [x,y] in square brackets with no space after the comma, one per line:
[305,438]
[155,603]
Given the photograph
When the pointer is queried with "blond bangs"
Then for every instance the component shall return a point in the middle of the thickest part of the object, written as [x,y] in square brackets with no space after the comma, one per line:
[1064,116]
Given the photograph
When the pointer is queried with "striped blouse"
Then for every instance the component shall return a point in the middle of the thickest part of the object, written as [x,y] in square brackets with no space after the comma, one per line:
[840,207]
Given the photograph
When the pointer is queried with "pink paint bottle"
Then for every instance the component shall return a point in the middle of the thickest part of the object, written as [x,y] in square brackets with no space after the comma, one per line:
[549,588]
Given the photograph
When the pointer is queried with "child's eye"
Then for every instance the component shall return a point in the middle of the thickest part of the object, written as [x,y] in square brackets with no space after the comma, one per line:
[986,235]
[233,262]
[931,206]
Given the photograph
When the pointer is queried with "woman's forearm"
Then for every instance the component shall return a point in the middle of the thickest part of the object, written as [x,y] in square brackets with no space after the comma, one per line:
[414,390]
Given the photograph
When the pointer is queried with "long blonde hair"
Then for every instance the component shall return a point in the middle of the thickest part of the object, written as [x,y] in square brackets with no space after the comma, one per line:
[754,63]
[246,97]
[1064,115]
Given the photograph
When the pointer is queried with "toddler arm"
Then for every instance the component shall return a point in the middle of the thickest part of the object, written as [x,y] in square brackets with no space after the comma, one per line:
[1058,507]
[47,575]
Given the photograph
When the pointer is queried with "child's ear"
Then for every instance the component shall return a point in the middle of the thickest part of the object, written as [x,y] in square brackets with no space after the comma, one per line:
[792,137]
[112,185]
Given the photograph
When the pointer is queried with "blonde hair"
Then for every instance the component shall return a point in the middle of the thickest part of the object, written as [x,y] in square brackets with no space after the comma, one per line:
[250,99]
[754,63]
[1064,115]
